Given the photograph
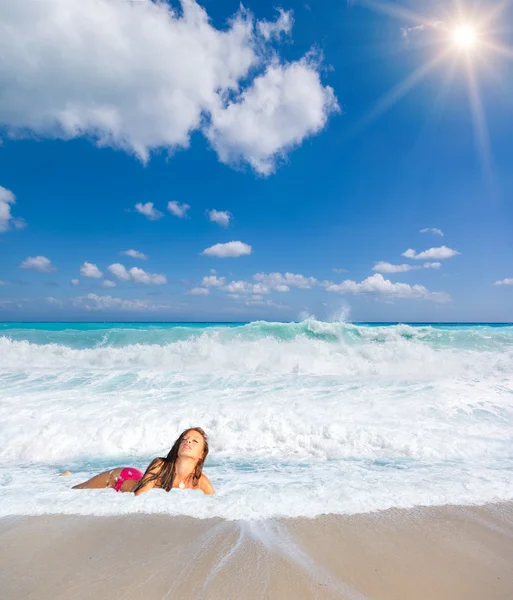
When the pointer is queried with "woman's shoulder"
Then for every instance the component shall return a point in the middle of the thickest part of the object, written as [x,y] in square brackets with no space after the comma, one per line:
[205,485]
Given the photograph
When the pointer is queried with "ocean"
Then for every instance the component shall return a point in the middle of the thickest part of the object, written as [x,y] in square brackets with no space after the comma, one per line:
[303,418]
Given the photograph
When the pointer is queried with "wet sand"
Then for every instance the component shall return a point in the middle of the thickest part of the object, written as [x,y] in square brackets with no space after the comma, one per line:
[442,553]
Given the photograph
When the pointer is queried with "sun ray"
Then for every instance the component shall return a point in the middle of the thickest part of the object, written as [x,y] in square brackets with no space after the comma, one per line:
[466,32]
[397,12]
[499,49]
[492,14]
[479,122]
[433,115]
[400,90]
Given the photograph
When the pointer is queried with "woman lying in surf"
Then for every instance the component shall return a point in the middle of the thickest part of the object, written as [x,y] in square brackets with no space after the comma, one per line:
[182,468]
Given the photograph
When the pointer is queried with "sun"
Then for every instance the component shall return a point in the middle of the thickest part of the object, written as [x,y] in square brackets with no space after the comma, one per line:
[465,37]
[463,41]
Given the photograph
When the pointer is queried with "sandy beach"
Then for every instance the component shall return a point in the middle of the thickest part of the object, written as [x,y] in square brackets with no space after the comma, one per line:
[426,553]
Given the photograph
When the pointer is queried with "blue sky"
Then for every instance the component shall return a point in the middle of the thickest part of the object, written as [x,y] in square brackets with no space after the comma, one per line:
[280,120]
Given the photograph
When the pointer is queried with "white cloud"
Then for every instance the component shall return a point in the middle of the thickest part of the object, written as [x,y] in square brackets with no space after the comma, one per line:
[140,276]
[136,274]
[433,230]
[119,271]
[177,209]
[508,281]
[7,199]
[245,287]
[228,250]
[283,283]
[90,270]
[265,283]
[433,253]
[75,282]
[148,210]
[213,281]
[386,267]
[38,263]
[199,291]
[135,254]
[273,29]
[378,285]
[433,25]
[281,107]
[339,270]
[221,217]
[155,101]
[95,302]
[107,283]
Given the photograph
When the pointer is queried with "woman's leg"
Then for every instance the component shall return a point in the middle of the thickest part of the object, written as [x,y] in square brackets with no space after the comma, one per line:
[107,479]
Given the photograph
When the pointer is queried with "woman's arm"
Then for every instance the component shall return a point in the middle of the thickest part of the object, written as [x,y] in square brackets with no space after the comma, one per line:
[150,476]
[205,486]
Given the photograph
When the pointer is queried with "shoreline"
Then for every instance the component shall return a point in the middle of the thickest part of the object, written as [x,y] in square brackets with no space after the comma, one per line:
[426,553]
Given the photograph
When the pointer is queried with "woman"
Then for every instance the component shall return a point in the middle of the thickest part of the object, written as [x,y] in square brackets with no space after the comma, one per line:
[182,468]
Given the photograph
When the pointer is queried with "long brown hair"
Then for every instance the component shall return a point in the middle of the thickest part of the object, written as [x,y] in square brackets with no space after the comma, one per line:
[165,468]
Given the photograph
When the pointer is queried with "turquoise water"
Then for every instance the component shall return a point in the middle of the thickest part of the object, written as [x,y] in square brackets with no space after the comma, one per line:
[303,418]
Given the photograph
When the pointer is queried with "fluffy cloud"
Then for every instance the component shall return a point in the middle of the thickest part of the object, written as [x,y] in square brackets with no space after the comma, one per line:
[283,283]
[228,250]
[507,281]
[90,270]
[75,282]
[233,288]
[140,276]
[221,217]
[433,230]
[379,286]
[386,267]
[38,263]
[155,101]
[213,281]
[263,283]
[245,287]
[136,274]
[148,210]
[177,209]
[107,283]
[339,270]
[119,271]
[135,254]
[431,254]
[95,302]
[199,291]
[282,107]
[273,29]
[7,199]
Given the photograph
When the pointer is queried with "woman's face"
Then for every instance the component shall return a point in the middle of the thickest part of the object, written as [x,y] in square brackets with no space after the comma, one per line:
[192,445]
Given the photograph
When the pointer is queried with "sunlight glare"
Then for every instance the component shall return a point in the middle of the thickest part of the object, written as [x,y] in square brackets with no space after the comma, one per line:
[465,37]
